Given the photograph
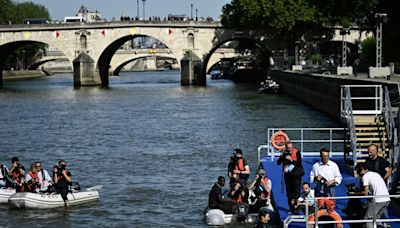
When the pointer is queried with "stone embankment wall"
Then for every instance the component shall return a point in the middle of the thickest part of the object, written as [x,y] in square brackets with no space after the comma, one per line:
[16,74]
[322,91]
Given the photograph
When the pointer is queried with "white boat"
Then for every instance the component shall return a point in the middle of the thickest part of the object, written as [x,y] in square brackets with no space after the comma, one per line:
[27,200]
[5,193]
[216,217]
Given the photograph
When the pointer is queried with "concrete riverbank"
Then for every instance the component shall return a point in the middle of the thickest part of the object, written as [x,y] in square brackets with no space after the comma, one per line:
[323,91]
[22,74]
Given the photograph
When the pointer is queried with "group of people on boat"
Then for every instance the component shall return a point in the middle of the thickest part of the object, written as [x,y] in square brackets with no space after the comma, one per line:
[252,197]
[325,177]
[36,179]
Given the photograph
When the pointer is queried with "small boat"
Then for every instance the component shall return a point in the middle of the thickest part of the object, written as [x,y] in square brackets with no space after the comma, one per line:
[5,193]
[28,200]
[269,86]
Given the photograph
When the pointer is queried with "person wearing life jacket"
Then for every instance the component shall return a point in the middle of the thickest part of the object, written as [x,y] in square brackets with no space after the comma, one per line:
[238,193]
[62,179]
[293,171]
[238,169]
[15,173]
[261,187]
[43,178]
[33,178]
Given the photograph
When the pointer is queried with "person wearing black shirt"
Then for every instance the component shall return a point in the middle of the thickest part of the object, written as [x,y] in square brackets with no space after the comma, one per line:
[378,164]
[216,199]
[293,171]
[62,179]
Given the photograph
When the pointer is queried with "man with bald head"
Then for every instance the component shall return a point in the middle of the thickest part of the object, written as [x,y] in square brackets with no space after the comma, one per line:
[378,164]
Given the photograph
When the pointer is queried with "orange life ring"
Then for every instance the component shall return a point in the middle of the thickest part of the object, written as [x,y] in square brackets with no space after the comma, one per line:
[323,212]
[278,140]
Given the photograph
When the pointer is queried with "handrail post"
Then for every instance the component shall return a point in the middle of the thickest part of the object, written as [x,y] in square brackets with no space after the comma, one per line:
[373,213]
[302,139]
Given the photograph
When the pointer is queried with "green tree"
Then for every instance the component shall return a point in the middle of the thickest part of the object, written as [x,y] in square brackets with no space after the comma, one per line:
[6,11]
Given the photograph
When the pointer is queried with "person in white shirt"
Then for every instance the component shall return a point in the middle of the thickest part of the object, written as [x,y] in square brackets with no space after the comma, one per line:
[306,197]
[326,173]
[373,184]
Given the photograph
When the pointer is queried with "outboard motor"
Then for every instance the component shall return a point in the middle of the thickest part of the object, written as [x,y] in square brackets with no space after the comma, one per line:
[241,212]
[215,217]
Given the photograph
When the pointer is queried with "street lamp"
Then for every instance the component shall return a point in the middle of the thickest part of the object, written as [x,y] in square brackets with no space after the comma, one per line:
[137,10]
[191,11]
[380,18]
[144,10]
[196,14]
[344,32]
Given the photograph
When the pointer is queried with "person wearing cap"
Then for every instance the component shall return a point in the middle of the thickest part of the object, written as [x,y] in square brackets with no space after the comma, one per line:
[261,187]
[293,172]
[238,169]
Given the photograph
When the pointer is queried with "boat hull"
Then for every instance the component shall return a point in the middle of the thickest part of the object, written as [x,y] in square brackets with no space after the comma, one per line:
[27,200]
[5,194]
[216,217]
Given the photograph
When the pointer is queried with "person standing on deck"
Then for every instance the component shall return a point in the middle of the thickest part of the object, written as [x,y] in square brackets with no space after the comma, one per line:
[293,171]
[238,169]
[378,164]
[373,184]
[326,174]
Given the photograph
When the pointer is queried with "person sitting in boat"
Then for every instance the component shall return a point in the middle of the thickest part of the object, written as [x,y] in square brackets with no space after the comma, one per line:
[216,199]
[261,187]
[238,169]
[16,172]
[326,174]
[239,193]
[33,179]
[62,179]
[26,186]
[3,174]
[43,177]
[293,172]
[306,196]
[264,219]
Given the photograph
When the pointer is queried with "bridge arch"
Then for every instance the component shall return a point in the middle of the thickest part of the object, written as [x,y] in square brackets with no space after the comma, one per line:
[264,49]
[8,48]
[106,55]
[125,62]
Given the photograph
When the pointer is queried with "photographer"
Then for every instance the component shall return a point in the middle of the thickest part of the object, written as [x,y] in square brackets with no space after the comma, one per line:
[16,172]
[238,194]
[238,170]
[306,197]
[293,171]
[62,179]
[261,186]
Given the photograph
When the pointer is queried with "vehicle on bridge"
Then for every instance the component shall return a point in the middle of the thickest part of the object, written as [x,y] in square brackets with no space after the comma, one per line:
[35,21]
[74,19]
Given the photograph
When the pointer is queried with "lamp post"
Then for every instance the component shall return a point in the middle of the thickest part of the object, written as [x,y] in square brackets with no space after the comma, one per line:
[344,32]
[380,18]
[137,9]
[144,10]
[196,14]
[191,11]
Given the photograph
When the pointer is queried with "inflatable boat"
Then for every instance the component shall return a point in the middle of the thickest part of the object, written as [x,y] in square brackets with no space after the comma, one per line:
[5,194]
[216,217]
[27,200]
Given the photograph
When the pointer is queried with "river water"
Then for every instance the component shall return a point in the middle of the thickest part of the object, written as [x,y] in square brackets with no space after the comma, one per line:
[155,146]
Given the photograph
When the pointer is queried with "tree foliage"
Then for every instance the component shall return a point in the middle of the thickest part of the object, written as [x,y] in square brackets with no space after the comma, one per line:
[286,21]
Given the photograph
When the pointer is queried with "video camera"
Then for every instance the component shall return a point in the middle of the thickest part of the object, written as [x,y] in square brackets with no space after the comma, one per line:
[352,188]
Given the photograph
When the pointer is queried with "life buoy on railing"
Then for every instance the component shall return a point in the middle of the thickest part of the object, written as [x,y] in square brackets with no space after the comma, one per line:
[324,212]
[278,140]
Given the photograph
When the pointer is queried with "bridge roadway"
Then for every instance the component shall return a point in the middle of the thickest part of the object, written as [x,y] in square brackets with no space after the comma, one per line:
[91,46]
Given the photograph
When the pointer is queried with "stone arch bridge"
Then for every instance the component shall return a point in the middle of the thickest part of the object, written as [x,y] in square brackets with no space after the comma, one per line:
[91,46]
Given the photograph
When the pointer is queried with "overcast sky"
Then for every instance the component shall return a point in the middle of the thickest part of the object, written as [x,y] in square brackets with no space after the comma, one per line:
[59,9]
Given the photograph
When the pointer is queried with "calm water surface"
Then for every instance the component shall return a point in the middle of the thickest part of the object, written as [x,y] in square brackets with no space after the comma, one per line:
[155,146]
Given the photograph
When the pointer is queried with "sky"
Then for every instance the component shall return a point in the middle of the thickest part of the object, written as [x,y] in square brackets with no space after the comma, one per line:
[59,9]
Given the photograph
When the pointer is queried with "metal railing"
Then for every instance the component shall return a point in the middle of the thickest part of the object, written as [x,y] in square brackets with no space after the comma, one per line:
[376,98]
[390,124]
[306,217]
[347,114]
[308,140]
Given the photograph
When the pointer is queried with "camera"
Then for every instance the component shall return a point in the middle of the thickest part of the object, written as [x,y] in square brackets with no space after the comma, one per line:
[19,165]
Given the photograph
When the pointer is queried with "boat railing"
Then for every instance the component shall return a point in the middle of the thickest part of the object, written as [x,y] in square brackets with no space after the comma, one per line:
[306,217]
[366,99]
[347,114]
[308,140]
[389,121]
